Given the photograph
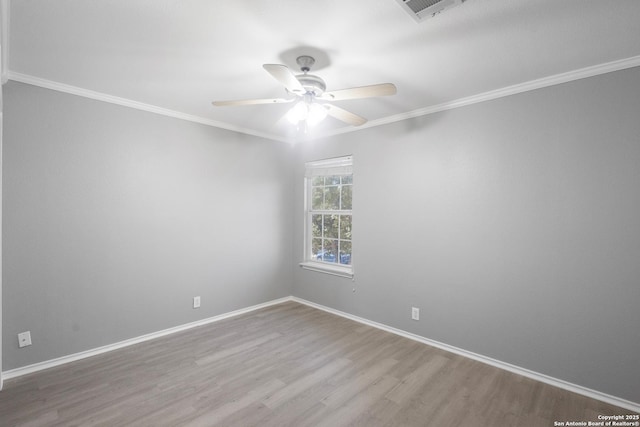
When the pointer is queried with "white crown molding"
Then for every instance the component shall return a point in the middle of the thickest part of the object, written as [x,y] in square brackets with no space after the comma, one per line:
[594,394]
[14,373]
[569,76]
[99,96]
[557,79]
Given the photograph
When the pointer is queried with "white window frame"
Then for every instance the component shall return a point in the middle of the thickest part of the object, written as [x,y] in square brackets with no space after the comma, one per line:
[333,166]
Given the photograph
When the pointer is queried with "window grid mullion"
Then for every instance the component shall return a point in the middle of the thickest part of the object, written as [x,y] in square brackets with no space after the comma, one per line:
[330,212]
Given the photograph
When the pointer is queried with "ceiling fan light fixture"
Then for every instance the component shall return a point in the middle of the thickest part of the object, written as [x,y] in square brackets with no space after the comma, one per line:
[298,113]
[309,112]
[317,113]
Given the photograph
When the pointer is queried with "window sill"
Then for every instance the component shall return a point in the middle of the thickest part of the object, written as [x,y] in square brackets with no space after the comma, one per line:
[334,270]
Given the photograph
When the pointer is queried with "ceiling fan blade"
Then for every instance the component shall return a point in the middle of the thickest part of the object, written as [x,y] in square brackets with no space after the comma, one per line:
[284,75]
[383,89]
[344,115]
[241,102]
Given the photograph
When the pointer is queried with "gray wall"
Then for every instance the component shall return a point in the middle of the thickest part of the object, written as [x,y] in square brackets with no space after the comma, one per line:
[514,225]
[115,218]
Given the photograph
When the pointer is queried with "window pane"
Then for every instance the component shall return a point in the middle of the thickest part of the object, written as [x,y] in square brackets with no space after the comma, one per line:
[316,225]
[347,179]
[345,252]
[316,248]
[330,227]
[329,250]
[332,180]
[317,198]
[346,197]
[332,198]
[317,181]
[345,227]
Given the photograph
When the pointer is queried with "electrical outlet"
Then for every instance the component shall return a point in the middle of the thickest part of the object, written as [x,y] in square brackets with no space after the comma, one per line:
[196,302]
[24,339]
[415,313]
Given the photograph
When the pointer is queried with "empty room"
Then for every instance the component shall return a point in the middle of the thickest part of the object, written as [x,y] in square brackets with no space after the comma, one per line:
[320,213]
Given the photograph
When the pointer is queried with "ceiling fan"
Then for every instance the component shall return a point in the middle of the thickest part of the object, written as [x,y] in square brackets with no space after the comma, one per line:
[309,90]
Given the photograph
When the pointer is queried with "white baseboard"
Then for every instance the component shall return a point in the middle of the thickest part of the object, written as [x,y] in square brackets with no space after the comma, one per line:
[13,373]
[594,394]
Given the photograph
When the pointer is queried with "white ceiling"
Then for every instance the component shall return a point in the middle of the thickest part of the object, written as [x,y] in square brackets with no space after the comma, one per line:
[180,55]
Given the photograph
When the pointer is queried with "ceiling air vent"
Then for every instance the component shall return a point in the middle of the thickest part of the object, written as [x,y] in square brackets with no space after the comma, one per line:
[422,10]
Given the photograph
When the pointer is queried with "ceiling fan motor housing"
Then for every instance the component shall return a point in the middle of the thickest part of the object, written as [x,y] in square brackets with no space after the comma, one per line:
[312,84]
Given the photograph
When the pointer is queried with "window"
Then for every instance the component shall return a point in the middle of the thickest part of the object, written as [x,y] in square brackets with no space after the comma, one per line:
[328,216]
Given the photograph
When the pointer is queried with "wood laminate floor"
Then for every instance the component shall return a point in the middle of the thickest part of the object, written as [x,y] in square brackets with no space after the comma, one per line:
[286,365]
